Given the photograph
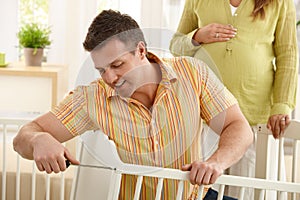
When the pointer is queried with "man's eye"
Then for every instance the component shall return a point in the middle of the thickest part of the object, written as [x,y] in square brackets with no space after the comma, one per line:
[116,65]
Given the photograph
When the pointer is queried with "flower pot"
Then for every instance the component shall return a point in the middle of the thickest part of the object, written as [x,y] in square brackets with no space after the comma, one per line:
[33,57]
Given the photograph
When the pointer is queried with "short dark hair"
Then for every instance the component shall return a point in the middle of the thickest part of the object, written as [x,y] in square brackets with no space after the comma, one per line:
[112,24]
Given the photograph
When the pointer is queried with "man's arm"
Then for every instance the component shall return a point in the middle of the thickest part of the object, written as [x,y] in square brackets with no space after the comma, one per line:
[41,140]
[235,138]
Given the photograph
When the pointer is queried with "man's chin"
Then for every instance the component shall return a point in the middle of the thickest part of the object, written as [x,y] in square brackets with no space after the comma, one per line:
[125,92]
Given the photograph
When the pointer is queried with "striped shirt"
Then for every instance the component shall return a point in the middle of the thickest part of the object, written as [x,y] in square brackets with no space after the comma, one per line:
[167,135]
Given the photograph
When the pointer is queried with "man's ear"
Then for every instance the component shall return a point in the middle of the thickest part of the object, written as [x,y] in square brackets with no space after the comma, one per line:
[141,48]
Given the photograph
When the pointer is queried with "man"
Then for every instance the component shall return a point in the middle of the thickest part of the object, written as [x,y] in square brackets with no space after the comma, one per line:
[150,107]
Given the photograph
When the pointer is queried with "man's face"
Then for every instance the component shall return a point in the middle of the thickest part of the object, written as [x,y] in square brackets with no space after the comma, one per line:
[120,67]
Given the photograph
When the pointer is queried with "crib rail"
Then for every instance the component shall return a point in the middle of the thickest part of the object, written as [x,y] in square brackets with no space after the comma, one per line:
[8,128]
[225,180]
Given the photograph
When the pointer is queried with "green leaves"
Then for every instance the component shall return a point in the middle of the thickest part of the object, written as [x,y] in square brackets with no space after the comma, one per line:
[298,23]
[34,36]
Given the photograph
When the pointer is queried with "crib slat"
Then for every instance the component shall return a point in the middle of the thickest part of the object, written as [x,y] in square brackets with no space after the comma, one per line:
[159,188]
[280,164]
[200,192]
[47,187]
[294,195]
[138,188]
[4,163]
[18,175]
[295,156]
[114,188]
[294,164]
[62,183]
[242,192]
[62,186]
[221,192]
[261,194]
[180,190]
[280,160]
[282,195]
[33,181]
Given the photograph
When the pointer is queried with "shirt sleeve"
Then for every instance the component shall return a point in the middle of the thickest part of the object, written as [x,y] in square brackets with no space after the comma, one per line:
[181,42]
[286,53]
[73,113]
[214,96]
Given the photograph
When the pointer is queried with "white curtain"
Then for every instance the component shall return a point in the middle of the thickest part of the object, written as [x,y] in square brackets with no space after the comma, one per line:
[69,21]
[9,29]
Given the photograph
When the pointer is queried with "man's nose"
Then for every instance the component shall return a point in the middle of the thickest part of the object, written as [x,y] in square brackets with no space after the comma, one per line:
[110,76]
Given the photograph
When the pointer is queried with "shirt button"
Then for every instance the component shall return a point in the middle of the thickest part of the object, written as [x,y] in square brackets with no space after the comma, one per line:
[235,14]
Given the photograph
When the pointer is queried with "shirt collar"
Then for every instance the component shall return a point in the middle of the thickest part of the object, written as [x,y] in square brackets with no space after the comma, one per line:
[168,74]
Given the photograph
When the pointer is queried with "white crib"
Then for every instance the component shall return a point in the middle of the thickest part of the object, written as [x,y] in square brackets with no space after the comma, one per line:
[110,158]
[21,180]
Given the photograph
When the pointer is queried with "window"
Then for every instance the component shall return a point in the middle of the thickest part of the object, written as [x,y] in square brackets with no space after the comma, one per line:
[33,11]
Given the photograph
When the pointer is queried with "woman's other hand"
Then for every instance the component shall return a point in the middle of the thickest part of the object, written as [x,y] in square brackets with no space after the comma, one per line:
[277,124]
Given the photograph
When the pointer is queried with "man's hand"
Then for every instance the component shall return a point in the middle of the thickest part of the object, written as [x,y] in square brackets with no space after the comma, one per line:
[40,140]
[49,154]
[203,172]
[277,124]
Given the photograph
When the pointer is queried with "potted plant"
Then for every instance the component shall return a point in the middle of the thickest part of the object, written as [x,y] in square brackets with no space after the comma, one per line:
[34,38]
